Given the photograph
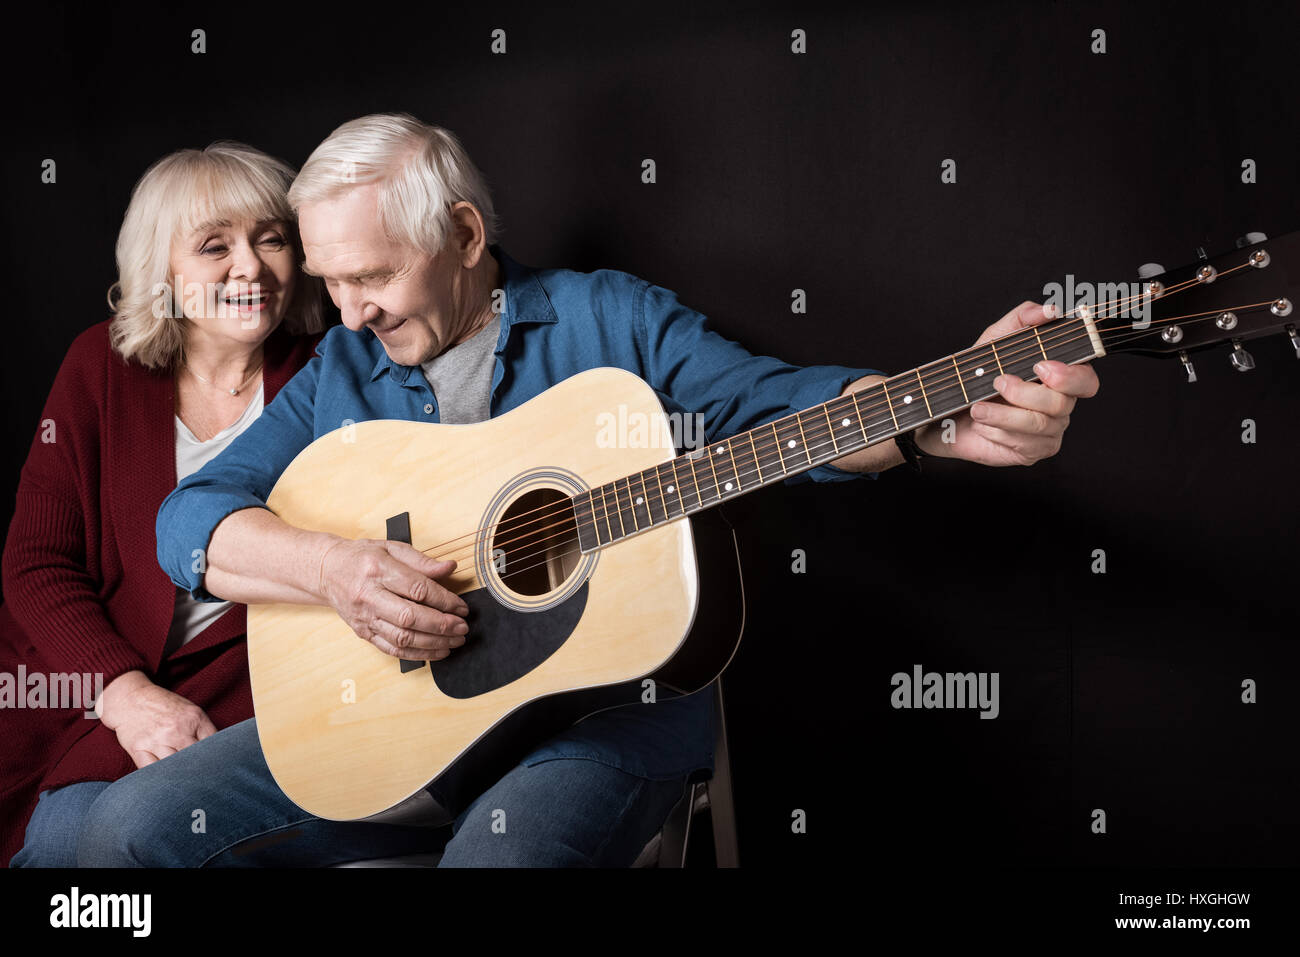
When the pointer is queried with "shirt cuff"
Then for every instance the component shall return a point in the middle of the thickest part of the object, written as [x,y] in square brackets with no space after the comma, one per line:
[186,521]
[824,390]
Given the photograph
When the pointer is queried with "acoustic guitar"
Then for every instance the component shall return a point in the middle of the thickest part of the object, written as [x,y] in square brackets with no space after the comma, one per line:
[598,575]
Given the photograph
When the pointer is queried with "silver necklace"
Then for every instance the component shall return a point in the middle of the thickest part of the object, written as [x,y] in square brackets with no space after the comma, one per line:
[231,391]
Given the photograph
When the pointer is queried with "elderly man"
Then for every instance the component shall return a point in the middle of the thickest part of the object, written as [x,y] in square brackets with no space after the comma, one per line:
[397,220]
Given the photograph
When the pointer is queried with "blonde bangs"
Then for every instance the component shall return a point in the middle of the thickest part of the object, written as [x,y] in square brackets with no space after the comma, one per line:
[224,190]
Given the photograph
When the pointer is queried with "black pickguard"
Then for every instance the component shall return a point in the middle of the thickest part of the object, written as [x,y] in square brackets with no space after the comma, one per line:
[504,643]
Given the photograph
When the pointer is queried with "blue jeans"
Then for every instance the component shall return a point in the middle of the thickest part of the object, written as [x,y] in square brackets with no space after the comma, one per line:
[215,804]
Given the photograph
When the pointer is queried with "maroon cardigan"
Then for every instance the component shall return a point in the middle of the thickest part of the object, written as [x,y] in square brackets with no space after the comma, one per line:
[83,590]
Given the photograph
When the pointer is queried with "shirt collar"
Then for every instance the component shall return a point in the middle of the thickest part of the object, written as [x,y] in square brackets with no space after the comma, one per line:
[525,301]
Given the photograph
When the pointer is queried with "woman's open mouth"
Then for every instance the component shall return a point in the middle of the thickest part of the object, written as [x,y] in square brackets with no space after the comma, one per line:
[383,332]
[249,302]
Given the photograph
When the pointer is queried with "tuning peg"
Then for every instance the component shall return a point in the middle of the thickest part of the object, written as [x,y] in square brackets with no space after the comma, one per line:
[1250,239]
[1187,364]
[1295,340]
[1242,360]
[1150,270]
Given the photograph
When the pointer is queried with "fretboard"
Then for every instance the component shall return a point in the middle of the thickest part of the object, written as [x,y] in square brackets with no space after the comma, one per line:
[769,453]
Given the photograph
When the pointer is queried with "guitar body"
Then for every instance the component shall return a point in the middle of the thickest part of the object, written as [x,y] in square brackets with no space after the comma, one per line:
[555,634]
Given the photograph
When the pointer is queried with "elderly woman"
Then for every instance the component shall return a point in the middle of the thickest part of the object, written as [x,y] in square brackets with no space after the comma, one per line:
[212,315]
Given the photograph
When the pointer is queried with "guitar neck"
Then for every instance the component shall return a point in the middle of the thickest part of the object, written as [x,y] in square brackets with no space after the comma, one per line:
[770,453]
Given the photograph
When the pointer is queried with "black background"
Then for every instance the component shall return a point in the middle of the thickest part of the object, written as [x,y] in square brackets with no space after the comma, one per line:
[821,172]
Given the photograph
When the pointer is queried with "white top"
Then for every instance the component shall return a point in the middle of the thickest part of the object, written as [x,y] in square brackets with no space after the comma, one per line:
[190,617]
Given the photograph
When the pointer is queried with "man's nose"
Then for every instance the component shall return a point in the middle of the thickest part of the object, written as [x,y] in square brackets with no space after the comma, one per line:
[356,312]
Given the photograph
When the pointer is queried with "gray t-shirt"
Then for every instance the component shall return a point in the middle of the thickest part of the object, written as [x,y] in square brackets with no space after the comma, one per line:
[461,377]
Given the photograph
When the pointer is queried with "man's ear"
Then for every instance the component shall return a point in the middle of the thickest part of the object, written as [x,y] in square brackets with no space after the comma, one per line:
[468,232]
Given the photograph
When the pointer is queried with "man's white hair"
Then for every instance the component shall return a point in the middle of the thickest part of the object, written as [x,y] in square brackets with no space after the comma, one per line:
[421,170]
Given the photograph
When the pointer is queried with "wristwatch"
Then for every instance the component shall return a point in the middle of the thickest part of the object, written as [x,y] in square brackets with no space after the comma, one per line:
[906,442]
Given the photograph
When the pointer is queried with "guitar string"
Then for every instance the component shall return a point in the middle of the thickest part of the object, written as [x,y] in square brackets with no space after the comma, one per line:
[605,511]
[1053,338]
[566,525]
[769,446]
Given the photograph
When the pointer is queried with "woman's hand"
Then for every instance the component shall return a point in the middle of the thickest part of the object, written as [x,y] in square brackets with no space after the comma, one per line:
[151,722]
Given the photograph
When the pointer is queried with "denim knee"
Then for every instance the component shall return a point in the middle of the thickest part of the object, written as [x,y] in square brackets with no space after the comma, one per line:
[53,831]
[121,828]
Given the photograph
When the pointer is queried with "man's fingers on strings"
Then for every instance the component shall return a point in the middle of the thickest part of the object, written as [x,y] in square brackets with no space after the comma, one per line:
[387,638]
[430,628]
[1033,395]
[416,579]
[1078,380]
[1011,418]
[1024,315]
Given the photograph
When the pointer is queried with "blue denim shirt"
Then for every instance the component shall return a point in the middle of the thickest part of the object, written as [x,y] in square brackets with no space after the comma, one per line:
[555,323]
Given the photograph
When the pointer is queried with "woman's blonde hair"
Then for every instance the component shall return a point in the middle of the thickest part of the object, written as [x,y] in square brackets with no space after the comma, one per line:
[177,194]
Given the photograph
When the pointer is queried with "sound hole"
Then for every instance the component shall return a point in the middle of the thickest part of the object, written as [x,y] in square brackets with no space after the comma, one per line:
[535,545]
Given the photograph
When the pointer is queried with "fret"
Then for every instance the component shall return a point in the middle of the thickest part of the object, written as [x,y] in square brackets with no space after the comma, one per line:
[607,512]
[667,505]
[944,391]
[830,426]
[884,387]
[957,368]
[622,511]
[798,421]
[878,417]
[905,405]
[758,465]
[742,476]
[745,459]
[673,491]
[920,383]
[584,519]
[710,487]
[692,485]
[724,473]
[790,442]
[994,350]
[821,443]
[1019,356]
[858,419]
[653,503]
[977,366]
[875,418]
[1068,341]
[846,424]
[776,439]
[636,504]
[769,444]
[1040,342]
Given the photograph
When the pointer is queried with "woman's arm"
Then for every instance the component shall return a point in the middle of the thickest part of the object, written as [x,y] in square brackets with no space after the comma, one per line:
[47,585]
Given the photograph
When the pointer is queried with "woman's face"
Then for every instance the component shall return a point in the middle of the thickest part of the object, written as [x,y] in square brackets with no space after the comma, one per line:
[235,279]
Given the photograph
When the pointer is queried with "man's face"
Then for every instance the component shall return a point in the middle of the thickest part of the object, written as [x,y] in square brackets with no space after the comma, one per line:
[406,297]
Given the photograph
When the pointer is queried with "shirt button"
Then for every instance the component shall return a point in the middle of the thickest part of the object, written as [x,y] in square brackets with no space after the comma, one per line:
[428,408]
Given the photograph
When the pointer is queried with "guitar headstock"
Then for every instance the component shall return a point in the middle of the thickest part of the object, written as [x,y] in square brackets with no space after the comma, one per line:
[1249,292]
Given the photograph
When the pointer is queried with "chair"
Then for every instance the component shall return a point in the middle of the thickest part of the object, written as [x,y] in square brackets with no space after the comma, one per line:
[668,848]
